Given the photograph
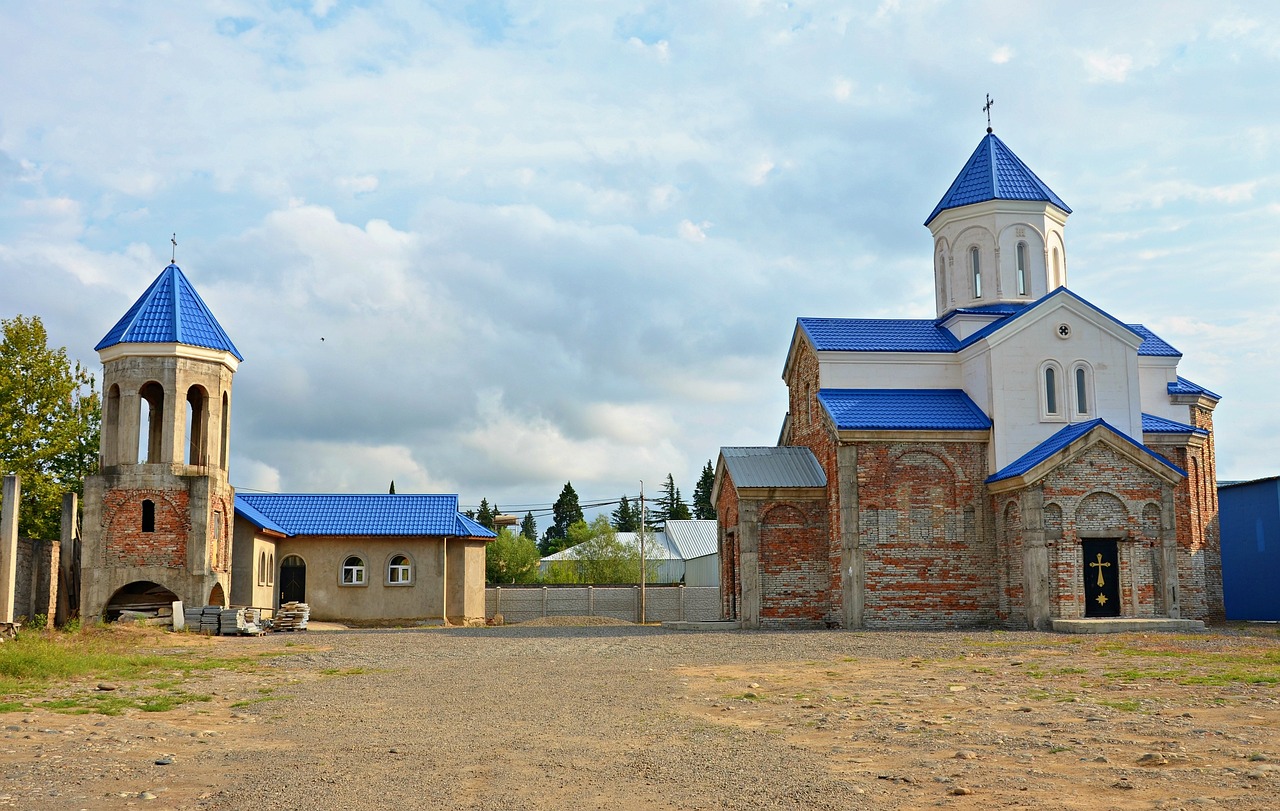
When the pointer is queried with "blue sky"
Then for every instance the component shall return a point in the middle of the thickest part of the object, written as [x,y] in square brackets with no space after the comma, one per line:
[550,242]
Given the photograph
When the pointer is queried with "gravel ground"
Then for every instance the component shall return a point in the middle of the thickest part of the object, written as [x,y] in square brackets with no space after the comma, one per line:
[623,716]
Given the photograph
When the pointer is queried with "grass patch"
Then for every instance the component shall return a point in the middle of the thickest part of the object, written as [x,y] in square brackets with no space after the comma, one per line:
[1125,705]
[251,701]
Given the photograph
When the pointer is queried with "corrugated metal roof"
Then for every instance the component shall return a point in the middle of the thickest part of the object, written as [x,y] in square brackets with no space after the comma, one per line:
[693,539]
[773,467]
[1184,386]
[342,514]
[1151,424]
[1065,437]
[170,311]
[657,547]
[903,409]
[993,172]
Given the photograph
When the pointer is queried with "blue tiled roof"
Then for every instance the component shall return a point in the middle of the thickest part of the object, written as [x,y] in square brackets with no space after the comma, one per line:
[878,335]
[903,409]
[1184,386]
[785,466]
[170,311]
[321,514]
[1061,440]
[1153,344]
[994,173]
[999,308]
[1151,424]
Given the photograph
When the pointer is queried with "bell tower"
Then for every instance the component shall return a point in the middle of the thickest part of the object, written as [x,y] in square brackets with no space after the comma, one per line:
[997,234]
[158,514]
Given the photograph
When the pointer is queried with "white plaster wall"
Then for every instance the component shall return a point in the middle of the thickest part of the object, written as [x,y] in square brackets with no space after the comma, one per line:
[888,370]
[1155,375]
[1016,360]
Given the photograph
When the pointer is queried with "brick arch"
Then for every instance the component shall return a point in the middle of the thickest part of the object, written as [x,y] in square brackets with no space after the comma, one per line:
[1151,520]
[1052,521]
[930,459]
[783,515]
[1101,511]
[127,545]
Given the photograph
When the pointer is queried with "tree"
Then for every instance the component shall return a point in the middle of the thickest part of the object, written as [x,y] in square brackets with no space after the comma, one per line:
[703,509]
[392,491]
[50,418]
[670,506]
[679,510]
[595,555]
[484,515]
[564,513]
[511,558]
[529,527]
[626,519]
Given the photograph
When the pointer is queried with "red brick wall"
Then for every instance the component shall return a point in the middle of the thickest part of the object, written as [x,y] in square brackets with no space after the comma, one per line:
[125,544]
[795,577]
[929,557]
[727,513]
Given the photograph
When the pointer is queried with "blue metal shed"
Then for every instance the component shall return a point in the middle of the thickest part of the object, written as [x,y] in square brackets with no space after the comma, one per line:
[1249,517]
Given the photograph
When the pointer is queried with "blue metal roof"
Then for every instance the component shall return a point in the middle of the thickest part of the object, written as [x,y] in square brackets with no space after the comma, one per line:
[1151,424]
[903,409]
[993,172]
[878,335]
[382,514]
[1184,386]
[930,335]
[785,466]
[1061,440]
[170,311]
[1153,344]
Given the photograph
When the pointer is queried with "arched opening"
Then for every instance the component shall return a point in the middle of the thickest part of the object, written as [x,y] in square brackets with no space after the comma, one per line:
[141,599]
[262,567]
[976,268]
[226,429]
[293,580]
[197,425]
[151,397]
[111,427]
[1050,391]
[1021,255]
[148,515]
[217,596]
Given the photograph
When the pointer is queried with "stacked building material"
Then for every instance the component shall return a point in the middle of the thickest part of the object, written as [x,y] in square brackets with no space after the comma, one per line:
[231,621]
[191,615]
[210,619]
[292,617]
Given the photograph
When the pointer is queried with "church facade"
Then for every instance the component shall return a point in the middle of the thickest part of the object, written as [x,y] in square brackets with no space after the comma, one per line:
[1021,458]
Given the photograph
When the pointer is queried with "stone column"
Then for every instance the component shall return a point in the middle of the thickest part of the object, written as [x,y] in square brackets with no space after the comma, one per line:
[1035,560]
[9,547]
[749,562]
[852,568]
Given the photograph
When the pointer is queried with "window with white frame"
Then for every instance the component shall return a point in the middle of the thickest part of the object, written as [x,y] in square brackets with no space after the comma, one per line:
[1083,384]
[353,571]
[975,265]
[1021,255]
[399,571]
[1050,383]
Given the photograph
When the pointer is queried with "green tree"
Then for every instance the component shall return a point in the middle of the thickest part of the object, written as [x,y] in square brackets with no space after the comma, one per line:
[50,417]
[626,519]
[679,510]
[529,527]
[703,509]
[511,558]
[484,515]
[595,555]
[564,514]
[392,491]
[670,505]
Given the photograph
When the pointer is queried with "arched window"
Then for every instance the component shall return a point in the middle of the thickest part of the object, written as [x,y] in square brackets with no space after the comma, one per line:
[151,398]
[399,571]
[271,569]
[1021,255]
[1083,384]
[976,267]
[262,568]
[148,515]
[197,425]
[111,427]
[353,571]
[226,429]
[1050,384]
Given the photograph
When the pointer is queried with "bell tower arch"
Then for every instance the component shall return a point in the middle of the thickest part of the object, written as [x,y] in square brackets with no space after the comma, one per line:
[159,511]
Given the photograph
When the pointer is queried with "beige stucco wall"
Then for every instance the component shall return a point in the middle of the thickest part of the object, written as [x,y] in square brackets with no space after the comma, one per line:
[379,601]
[249,585]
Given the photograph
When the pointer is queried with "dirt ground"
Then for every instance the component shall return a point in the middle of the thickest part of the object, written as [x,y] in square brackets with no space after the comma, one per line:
[642,717]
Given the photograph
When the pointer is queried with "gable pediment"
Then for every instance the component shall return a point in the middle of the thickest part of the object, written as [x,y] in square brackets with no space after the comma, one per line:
[1060,307]
[1070,444]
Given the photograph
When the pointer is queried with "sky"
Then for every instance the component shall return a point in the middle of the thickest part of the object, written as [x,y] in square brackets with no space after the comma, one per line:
[486,248]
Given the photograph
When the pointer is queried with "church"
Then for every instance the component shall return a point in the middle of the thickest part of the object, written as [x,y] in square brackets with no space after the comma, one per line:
[1022,460]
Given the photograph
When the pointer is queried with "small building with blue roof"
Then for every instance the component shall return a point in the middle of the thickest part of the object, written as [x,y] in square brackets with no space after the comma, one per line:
[162,522]
[1024,458]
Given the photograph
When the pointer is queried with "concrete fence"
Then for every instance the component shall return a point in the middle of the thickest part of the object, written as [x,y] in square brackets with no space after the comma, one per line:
[662,603]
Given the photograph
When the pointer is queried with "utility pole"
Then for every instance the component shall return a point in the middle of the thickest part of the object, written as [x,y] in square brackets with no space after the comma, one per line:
[643,562]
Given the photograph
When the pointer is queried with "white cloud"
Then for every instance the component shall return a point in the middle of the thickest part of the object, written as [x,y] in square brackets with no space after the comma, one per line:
[693,232]
[358,184]
[1002,55]
[1106,67]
